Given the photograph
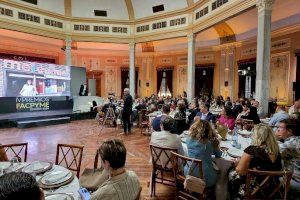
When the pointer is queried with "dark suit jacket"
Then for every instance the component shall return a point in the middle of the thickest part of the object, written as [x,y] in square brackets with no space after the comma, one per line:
[209,117]
[127,109]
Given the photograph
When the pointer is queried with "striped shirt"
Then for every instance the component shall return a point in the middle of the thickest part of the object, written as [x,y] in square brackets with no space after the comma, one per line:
[125,186]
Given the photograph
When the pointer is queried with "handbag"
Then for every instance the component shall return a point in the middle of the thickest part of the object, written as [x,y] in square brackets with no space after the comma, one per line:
[194,184]
[92,179]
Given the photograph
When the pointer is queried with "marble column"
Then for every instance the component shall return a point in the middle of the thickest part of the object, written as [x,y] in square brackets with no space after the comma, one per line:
[68,51]
[191,67]
[132,69]
[263,53]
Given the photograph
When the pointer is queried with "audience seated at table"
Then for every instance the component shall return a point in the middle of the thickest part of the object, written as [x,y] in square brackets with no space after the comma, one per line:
[165,138]
[20,185]
[250,113]
[194,109]
[263,155]
[180,114]
[204,113]
[156,121]
[238,107]
[226,118]
[3,156]
[122,183]
[288,133]
[202,144]
[258,108]
[279,116]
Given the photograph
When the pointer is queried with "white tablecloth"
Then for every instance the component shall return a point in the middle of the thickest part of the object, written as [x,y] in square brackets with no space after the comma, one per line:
[224,163]
[70,188]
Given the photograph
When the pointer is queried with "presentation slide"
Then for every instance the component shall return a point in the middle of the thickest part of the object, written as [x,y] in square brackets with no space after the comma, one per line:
[32,79]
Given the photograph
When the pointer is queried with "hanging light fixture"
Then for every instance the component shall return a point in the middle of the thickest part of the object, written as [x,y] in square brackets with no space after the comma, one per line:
[204,72]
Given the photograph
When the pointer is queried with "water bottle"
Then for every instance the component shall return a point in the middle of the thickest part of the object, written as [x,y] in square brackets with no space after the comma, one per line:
[234,137]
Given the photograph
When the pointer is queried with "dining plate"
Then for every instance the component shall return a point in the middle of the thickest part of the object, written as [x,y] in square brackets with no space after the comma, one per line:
[37,167]
[245,133]
[56,177]
[235,153]
[59,196]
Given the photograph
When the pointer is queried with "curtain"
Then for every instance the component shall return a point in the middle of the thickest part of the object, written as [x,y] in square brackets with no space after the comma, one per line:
[250,66]
[26,58]
[204,77]
[169,78]
[125,75]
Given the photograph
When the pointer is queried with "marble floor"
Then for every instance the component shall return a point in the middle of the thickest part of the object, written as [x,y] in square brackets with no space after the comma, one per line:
[42,143]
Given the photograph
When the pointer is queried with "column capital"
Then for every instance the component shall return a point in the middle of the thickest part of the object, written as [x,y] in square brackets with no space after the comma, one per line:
[131,45]
[191,37]
[264,4]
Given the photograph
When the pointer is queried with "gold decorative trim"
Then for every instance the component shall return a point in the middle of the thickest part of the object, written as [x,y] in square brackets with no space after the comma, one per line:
[130,9]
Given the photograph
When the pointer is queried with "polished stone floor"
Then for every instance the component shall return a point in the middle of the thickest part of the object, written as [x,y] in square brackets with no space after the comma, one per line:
[42,143]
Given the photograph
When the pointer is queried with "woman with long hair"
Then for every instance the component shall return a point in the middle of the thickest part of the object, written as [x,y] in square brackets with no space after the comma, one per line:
[202,144]
[263,155]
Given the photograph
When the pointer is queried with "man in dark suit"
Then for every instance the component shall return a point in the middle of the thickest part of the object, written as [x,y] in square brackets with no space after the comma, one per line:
[127,110]
[204,113]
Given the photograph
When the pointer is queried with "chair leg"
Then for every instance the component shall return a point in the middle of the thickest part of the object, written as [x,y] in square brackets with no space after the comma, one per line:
[153,184]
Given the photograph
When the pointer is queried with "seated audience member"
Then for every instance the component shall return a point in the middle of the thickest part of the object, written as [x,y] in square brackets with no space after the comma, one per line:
[258,108]
[156,121]
[294,109]
[250,113]
[279,116]
[181,110]
[141,105]
[194,109]
[238,107]
[202,144]
[204,113]
[288,133]
[226,118]
[263,155]
[122,183]
[3,156]
[165,138]
[19,185]
[272,106]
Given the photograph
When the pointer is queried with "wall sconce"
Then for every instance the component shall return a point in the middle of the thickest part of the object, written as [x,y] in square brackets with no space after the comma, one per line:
[204,72]
[226,83]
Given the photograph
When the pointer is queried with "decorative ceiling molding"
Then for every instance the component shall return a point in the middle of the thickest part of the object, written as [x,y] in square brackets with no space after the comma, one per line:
[68,8]
[225,32]
[130,9]
[189,2]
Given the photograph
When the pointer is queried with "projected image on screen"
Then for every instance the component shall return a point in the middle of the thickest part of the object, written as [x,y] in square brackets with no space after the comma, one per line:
[26,79]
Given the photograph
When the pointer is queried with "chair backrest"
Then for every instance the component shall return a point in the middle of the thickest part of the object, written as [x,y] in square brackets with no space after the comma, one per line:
[71,157]
[267,184]
[161,157]
[139,194]
[16,150]
[194,167]
[143,115]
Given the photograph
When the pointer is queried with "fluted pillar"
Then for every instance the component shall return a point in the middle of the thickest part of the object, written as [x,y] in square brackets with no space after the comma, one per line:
[263,52]
[68,51]
[132,69]
[191,67]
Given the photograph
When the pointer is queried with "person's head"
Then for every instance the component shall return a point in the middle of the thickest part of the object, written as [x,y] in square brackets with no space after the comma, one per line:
[226,111]
[29,82]
[264,137]
[255,104]
[113,154]
[18,185]
[166,109]
[286,128]
[181,106]
[204,108]
[247,106]
[202,131]
[166,123]
[126,91]
[297,104]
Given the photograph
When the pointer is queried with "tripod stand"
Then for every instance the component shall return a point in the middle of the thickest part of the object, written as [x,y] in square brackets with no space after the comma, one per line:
[109,117]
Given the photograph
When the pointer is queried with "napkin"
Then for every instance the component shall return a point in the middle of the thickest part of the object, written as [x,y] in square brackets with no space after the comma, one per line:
[56,176]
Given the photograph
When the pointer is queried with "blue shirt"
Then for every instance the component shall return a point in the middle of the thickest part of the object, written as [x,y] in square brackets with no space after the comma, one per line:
[277,117]
[204,152]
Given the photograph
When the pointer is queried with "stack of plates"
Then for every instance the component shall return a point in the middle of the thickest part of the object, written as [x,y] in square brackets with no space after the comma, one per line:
[37,167]
[59,196]
[235,153]
[56,179]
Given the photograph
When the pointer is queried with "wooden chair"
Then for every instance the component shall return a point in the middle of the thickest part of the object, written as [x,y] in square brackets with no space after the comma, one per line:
[267,184]
[161,163]
[15,150]
[179,162]
[144,121]
[71,156]
[139,194]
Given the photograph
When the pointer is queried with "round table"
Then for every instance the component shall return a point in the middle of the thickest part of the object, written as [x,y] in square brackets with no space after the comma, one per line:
[71,188]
